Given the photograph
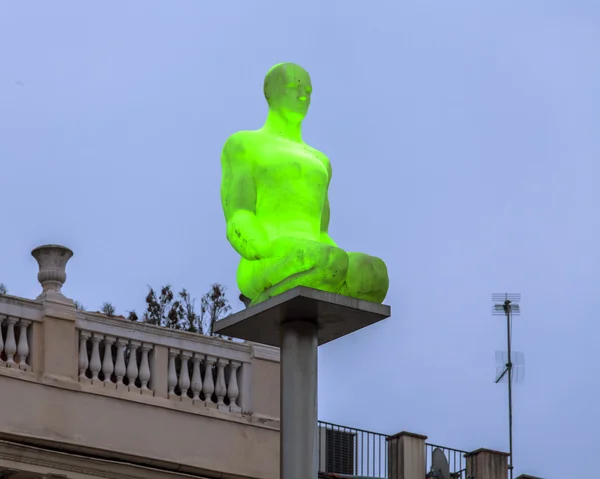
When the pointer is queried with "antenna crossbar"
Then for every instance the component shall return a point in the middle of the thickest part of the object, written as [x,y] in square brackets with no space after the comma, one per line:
[501,297]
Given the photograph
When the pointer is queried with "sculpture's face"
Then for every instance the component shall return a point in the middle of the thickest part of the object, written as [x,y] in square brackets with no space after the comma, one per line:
[288,90]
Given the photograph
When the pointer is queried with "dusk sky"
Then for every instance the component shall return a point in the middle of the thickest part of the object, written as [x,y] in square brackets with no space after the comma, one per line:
[465,143]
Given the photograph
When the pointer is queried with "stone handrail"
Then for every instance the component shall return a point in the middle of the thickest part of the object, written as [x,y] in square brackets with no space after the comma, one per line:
[20,307]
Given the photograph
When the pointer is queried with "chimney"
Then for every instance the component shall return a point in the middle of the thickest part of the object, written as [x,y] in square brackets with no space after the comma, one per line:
[487,464]
[406,456]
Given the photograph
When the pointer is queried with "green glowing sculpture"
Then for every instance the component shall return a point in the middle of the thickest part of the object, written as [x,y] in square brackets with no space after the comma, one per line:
[274,195]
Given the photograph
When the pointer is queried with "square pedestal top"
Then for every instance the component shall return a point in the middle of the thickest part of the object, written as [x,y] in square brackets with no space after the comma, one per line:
[335,315]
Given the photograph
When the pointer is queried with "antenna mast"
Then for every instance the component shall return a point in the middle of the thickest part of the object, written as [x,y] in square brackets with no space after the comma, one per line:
[507,305]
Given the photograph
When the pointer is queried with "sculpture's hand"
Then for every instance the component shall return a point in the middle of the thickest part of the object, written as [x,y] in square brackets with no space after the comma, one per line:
[247,236]
[282,246]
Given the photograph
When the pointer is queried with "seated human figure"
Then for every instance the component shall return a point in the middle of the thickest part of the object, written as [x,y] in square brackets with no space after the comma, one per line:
[274,195]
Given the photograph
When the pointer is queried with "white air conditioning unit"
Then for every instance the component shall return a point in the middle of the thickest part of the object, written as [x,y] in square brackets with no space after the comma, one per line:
[337,451]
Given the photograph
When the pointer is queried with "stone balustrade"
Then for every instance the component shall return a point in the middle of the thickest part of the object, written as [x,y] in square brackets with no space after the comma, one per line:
[114,360]
[16,317]
[14,342]
[139,358]
[116,354]
[59,365]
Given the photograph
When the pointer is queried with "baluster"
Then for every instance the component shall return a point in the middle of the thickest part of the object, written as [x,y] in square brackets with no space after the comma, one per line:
[120,369]
[145,366]
[196,377]
[221,387]
[132,366]
[208,386]
[95,363]
[233,391]
[84,361]
[23,346]
[107,364]
[10,347]
[2,363]
[172,378]
[184,373]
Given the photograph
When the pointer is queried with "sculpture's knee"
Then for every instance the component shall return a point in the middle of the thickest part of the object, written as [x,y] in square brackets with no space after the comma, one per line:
[381,280]
[367,278]
[333,265]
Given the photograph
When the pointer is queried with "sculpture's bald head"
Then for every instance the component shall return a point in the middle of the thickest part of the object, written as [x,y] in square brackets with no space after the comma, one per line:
[287,90]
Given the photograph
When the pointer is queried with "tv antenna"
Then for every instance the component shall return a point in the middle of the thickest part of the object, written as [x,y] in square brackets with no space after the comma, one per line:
[507,304]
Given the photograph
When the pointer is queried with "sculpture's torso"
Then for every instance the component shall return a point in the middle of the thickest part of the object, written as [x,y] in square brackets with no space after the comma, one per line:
[291,185]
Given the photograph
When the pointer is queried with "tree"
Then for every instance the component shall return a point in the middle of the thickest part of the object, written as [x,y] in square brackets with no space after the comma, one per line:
[213,306]
[167,311]
[157,307]
[190,317]
[79,306]
[108,309]
[3,289]
[179,311]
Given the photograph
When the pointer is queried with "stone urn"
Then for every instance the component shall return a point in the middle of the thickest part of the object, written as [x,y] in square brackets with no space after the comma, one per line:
[52,261]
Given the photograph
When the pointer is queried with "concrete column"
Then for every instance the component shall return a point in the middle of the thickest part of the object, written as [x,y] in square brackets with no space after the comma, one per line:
[406,456]
[298,321]
[159,366]
[298,436]
[245,397]
[261,392]
[487,464]
[59,343]
[36,353]
[58,351]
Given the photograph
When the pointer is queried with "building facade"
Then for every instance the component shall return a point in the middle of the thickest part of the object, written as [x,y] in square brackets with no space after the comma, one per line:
[88,396]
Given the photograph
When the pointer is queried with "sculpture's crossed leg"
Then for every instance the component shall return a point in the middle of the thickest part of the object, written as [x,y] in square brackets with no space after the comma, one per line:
[317,265]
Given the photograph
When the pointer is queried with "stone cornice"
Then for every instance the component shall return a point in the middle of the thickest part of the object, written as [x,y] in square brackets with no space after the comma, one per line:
[68,462]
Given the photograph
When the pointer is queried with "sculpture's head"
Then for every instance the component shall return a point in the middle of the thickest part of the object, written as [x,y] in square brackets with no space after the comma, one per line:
[287,90]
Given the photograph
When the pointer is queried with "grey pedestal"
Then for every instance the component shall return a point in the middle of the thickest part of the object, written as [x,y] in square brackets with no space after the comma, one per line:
[298,321]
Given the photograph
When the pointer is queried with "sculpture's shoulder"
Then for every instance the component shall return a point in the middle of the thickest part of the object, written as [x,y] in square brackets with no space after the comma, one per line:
[322,157]
[241,141]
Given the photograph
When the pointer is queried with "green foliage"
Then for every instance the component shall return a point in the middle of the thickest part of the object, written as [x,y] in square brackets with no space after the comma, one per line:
[79,306]
[108,309]
[191,320]
[3,289]
[213,306]
[177,311]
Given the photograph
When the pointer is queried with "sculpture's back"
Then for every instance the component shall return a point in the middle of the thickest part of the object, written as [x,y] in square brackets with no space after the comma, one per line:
[274,194]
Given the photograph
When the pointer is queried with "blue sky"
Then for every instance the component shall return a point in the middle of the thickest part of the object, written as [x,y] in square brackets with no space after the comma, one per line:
[464,142]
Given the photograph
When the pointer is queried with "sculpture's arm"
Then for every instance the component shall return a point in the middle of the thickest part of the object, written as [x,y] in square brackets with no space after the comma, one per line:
[326,212]
[238,197]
